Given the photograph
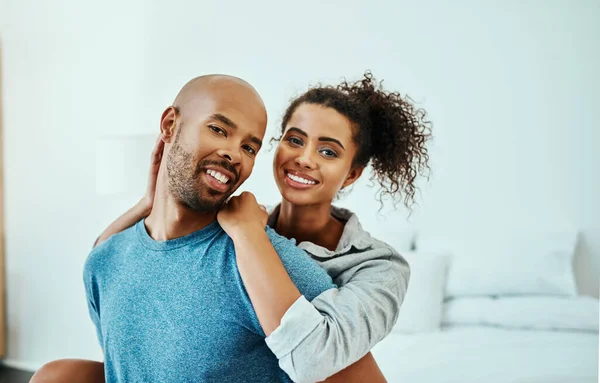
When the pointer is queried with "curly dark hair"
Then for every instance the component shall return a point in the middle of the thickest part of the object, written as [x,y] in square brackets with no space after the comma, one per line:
[389,131]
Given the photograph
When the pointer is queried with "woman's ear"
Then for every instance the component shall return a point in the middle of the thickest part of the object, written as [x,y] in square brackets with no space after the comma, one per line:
[168,123]
[353,175]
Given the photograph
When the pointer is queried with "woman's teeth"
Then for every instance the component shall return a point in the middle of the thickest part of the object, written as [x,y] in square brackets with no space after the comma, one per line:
[300,179]
[218,176]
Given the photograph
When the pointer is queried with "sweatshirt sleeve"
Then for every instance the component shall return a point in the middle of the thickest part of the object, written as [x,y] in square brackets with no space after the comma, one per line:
[320,338]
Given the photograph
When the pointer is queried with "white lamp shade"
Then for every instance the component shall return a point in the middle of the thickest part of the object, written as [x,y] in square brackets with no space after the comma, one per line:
[122,163]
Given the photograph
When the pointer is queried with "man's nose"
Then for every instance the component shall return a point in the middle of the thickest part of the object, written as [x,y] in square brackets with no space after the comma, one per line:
[229,155]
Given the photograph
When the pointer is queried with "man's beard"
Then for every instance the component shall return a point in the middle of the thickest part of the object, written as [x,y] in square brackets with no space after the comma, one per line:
[184,179]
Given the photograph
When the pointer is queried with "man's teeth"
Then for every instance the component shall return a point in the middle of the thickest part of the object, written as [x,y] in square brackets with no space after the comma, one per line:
[300,179]
[218,176]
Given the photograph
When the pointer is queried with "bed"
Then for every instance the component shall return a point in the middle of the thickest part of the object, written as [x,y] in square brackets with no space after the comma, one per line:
[486,354]
[498,309]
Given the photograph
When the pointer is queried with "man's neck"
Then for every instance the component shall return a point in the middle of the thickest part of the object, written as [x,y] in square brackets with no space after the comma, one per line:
[170,220]
[312,223]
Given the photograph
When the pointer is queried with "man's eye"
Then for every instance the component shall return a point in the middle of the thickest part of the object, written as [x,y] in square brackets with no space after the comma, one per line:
[294,141]
[250,149]
[217,130]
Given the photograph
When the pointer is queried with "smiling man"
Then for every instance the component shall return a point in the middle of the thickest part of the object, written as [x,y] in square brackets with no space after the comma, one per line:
[165,295]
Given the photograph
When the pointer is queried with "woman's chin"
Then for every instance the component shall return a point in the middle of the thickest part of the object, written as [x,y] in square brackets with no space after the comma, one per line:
[297,198]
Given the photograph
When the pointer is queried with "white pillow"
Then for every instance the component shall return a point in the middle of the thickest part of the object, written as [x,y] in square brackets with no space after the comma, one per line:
[535,313]
[421,310]
[517,264]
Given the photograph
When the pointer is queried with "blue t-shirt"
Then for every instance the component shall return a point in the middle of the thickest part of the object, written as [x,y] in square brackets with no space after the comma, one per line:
[177,310]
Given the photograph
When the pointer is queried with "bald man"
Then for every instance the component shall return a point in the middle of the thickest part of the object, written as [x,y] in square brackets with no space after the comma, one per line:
[165,295]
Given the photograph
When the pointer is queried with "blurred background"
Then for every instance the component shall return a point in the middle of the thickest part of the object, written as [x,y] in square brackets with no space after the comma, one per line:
[512,88]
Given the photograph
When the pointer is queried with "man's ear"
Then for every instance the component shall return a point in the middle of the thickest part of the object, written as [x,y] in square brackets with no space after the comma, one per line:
[168,123]
[353,175]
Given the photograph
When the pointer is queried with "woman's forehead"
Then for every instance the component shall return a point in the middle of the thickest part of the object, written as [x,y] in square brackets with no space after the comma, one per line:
[317,120]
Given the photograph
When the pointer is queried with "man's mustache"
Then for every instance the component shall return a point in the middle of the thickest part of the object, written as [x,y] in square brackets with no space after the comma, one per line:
[223,164]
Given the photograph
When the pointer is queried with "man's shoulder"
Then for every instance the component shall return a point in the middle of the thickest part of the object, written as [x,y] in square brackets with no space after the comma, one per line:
[308,276]
[274,237]
[103,254]
[287,248]
[115,241]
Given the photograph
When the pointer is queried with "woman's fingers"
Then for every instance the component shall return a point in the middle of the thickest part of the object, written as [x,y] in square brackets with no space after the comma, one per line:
[158,150]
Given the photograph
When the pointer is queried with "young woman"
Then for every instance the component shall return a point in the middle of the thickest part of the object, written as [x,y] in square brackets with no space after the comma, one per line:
[329,135]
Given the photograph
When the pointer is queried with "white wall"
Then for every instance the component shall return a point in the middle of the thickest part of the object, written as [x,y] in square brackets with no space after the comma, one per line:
[512,87]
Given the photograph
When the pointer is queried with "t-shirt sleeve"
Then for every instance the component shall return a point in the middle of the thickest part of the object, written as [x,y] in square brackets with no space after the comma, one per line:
[310,278]
[92,297]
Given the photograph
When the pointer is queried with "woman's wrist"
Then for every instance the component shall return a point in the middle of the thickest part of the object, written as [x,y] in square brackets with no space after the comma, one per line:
[247,232]
[144,207]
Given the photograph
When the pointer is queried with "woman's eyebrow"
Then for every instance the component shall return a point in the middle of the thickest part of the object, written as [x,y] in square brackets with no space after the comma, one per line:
[329,139]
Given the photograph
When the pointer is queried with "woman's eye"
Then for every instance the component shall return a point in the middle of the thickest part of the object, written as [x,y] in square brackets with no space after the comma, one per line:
[329,153]
[250,149]
[294,141]
[217,130]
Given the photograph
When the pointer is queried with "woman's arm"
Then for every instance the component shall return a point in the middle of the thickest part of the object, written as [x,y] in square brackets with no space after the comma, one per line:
[365,370]
[314,340]
[318,338]
[269,286]
[129,218]
[144,206]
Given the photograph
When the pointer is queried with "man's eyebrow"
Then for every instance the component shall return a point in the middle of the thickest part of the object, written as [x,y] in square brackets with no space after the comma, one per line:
[325,139]
[256,140]
[224,119]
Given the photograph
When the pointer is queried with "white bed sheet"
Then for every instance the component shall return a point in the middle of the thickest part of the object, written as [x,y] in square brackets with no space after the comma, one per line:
[489,355]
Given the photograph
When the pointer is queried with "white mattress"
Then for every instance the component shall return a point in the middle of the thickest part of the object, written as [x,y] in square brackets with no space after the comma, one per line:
[487,355]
